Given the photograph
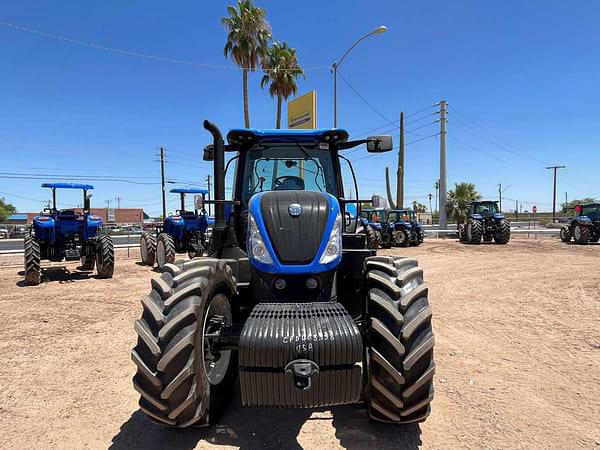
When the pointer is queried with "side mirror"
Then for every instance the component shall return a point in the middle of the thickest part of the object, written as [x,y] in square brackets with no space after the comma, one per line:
[379,144]
[209,153]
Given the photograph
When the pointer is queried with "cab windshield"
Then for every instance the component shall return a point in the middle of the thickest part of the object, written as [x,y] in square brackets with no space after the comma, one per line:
[371,216]
[284,167]
[401,216]
[486,209]
[592,211]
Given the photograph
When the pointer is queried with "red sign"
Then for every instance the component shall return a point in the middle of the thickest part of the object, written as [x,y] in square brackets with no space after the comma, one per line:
[534,209]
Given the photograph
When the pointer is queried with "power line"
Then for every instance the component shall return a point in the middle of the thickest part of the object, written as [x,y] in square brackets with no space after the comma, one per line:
[491,138]
[163,59]
[364,99]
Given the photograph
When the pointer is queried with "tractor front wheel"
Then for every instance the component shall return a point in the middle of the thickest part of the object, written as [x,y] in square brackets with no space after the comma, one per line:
[182,379]
[33,268]
[147,248]
[165,250]
[581,234]
[565,234]
[105,256]
[399,354]
[502,235]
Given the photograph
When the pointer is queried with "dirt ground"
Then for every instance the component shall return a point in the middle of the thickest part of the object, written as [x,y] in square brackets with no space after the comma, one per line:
[517,353]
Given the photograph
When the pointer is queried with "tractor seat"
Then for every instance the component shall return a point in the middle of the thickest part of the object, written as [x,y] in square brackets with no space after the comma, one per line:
[67,214]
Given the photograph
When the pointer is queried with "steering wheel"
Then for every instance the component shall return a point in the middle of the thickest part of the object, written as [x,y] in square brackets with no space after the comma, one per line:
[288,183]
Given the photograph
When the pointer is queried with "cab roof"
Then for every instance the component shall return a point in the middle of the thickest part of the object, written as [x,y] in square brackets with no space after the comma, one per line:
[87,187]
[188,191]
[252,136]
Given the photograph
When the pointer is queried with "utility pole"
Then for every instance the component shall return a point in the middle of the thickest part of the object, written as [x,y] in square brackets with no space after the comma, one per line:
[500,195]
[566,201]
[208,184]
[118,199]
[162,176]
[554,168]
[107,203]
[443,195]
[517,209]
[400,172]
[430,208]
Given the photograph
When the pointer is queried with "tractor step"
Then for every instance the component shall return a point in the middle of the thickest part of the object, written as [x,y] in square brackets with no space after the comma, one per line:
[301,355]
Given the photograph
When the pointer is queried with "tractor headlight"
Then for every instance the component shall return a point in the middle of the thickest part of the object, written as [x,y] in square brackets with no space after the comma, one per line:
[256,245]
[333,250]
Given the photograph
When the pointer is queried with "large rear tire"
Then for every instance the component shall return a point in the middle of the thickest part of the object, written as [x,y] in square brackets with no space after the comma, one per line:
[148,248]
[401,238]
[181,382]
[474,231]
[105,256]
[582,234]
[165,250]
[33,268]
[400,363]
[502,236]
[565,234]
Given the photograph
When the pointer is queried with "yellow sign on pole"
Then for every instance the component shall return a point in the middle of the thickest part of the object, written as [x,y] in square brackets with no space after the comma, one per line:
[302,111]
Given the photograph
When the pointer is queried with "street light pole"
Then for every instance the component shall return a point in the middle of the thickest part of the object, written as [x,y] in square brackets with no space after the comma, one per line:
[554,192]
[336,64]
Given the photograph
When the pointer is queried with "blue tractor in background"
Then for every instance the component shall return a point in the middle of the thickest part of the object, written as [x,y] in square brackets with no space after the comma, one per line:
[66,235]
[484,221]
[585,226]
[401,228]
[371,220]
[182,232]
[288,297]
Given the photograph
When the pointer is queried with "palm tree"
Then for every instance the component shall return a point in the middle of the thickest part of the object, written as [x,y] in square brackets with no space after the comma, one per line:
[248,36]
[459,198]
[281,70]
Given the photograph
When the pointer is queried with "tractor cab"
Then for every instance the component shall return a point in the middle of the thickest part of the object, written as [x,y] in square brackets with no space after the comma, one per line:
[486,209]
[589,210]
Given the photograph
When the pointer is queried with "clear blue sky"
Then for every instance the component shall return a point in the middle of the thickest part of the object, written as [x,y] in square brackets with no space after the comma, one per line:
[521,78]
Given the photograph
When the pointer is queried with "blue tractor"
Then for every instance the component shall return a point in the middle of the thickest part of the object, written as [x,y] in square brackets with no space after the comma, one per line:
[289,299]
[484,221]
[66,235]
[401,228]
[182,232]
[585,226]
[371,219]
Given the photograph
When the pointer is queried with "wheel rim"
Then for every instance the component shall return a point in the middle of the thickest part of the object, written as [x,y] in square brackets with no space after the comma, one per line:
[215,364]
[400,238]
[144,249]
[577,233]
[160,254]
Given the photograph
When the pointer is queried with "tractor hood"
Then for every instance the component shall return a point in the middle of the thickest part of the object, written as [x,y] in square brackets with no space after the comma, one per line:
[294,232]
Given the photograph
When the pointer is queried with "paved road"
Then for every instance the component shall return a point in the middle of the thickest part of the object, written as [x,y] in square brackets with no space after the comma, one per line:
[17,244]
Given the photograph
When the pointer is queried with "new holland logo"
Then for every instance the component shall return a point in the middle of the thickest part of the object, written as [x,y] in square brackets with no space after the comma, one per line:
[295,209]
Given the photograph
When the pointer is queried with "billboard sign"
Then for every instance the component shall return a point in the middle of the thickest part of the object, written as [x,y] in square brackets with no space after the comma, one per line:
[302,111]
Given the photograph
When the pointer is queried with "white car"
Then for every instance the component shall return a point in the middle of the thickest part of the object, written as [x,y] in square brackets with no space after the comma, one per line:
[3,232]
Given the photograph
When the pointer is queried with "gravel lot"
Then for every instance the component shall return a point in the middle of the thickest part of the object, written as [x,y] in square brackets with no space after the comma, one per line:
[517,353]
